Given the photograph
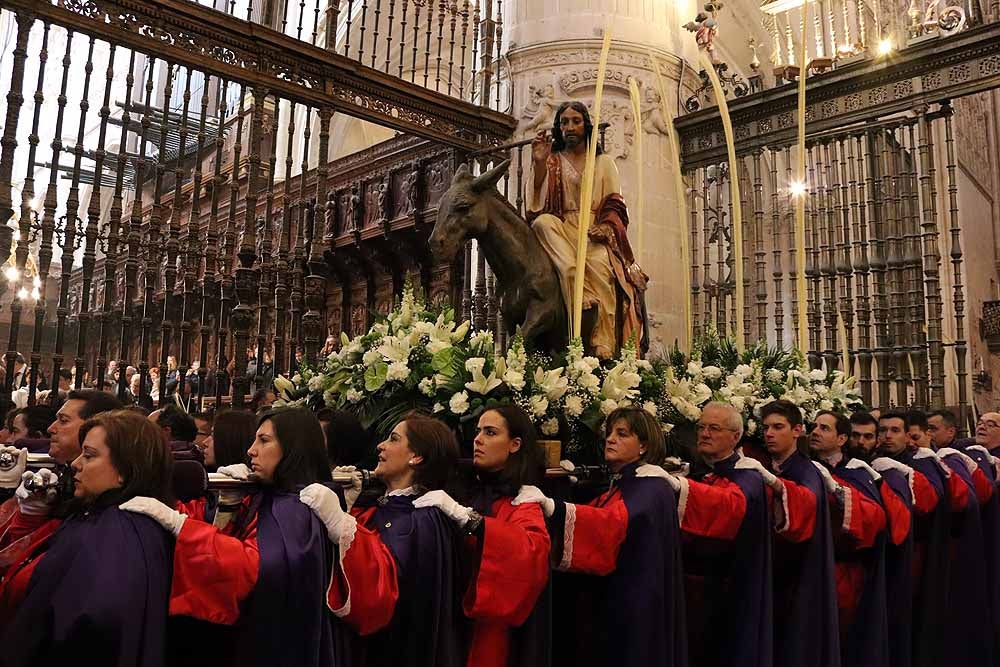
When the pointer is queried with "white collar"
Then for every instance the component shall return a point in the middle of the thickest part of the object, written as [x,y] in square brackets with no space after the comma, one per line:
[408,491]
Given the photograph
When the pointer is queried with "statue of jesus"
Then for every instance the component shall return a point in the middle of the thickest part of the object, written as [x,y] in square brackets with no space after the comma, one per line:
[614,285]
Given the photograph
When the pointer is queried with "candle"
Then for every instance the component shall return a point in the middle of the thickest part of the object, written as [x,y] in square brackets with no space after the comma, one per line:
[633,90]
[800,203]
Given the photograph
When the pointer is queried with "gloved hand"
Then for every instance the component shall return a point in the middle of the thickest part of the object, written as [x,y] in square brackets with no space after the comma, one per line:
[884,463]
[352,492]
[748,463]
[568,466]
[829,482]
[41,496]
[326,505]
[169,518]
[649,470]
[532,494]
[441,500]
[970,465]
[238,471]
[13,461]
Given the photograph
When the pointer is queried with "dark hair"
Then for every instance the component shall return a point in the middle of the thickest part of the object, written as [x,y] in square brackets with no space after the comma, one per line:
[325,414]
[782,408]
[916,418]
[205,416]
[259,396]
[65,374]
[897,414]
[347,441]
[525,466]
[139,453]
[558,142]
[863,419]
[8,420]
[232,434]
[842,423]
[646,428]
[95,402]
[303,456]
[947,416]
[432,440]
[181,424]
[38,418]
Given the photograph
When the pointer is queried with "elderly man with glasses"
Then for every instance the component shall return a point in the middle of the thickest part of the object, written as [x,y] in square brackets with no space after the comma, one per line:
[725,516]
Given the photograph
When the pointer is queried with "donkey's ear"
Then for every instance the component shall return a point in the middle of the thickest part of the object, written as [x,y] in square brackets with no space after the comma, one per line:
[462,174]
[488,181]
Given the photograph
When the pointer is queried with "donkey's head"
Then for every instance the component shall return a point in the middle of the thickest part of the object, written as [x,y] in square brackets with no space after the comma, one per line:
[464,209]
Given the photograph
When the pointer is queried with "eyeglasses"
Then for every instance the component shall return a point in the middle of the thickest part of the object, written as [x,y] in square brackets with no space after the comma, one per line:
[714,429]
[988,423]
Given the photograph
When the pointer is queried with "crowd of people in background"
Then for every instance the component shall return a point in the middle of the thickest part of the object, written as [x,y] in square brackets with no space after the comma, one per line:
[871,540]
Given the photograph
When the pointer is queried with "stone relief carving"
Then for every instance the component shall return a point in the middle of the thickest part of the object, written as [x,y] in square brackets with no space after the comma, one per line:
[541,108]
[972,114]
[653,121]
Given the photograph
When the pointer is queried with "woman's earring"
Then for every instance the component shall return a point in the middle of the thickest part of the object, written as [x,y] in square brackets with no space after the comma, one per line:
[410,462]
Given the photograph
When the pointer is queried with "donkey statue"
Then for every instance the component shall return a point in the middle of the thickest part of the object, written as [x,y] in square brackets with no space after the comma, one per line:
[527,282]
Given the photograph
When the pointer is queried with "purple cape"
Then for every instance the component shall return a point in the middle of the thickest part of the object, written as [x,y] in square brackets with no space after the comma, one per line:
[639,608]
[425,630]
[99,595]
[866,642]
[805,599]
[737,579]
[989,515]
[930,591]
[969,621]
[286,621]
[899,580]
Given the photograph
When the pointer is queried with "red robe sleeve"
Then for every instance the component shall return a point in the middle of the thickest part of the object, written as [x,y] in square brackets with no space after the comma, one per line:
[511,570]
[799,506]
[712,510]
[513,564]
[898,513]
[925,496]
[958,492]
[364,564]
[864,519]
[983,486]
[594,534]
[213,572]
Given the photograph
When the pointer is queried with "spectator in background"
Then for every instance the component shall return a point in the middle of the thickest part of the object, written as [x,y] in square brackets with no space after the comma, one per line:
[32,422]
[262,399]
[203,421]
[180,431]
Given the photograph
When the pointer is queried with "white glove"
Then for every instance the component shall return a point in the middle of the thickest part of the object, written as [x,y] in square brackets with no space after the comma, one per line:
[532,494]
[169,518]
[352,492]
[37,501]
[13,461]
[238,471]
[748,463]
[829,482]
[326,505]
[650,470]
[884,463]
[970,465]
[441,500]
[568,466]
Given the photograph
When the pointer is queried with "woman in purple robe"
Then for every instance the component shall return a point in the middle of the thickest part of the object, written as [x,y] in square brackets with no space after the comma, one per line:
[96,590]
[266,573]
